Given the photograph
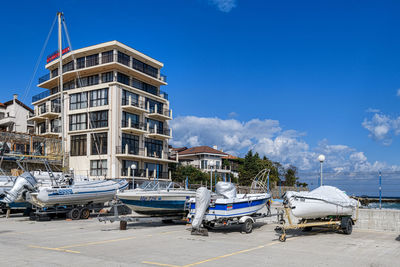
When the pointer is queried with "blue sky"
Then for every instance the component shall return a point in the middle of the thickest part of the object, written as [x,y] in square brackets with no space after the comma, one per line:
[289,79]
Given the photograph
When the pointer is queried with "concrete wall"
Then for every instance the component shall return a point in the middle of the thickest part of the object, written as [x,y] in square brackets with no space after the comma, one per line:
[375,219]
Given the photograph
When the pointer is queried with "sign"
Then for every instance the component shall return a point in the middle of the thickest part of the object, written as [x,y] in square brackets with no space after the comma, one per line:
[55,55]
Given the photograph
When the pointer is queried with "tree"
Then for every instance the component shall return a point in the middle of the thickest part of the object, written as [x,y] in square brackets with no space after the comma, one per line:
[195,176]
[290,176]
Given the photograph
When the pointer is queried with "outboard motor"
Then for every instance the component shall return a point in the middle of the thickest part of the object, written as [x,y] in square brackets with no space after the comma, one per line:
[25,181]
[203,197]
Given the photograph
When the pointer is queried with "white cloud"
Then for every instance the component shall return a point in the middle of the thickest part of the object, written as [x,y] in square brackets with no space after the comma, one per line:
[398,92]
[382,128]
[267,138]
[372,110]
[224,5]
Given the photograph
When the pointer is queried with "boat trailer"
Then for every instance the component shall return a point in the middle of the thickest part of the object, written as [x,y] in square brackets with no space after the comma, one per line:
[344,223]
[124,219]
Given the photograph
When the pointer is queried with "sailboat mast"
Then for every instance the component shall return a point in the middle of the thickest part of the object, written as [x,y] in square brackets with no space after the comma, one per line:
[60,70]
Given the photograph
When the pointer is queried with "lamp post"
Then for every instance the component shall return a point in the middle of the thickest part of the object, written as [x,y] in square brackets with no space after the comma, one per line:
[133,168]
[321,159]
[211,167]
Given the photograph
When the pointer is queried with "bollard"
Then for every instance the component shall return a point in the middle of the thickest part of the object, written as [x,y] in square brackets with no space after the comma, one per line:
[122,225]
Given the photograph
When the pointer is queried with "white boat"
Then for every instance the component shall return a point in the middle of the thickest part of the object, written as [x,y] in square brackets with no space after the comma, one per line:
[79,193]
[224,206]
[157,198]
[227,208]
[321,202]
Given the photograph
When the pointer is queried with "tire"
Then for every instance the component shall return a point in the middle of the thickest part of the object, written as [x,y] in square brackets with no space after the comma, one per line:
[282,238]
[247,226]
[74,214]
[348,228]
[85,213]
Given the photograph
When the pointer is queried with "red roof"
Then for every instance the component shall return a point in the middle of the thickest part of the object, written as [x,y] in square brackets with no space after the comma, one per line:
[201,150]
[230,157]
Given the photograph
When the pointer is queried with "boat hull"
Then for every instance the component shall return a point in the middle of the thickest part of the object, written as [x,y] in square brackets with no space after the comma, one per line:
[231,208]
[81,193]
[156,203]
[313,209]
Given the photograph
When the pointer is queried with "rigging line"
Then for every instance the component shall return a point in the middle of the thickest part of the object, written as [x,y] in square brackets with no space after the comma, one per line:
[97,139]
[35,69]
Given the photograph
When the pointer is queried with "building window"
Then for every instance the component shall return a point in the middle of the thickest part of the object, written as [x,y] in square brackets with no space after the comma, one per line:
[78,145]
[154,147]
[125,98]
[69,85]
[54,90]
[87,81]
[204,164]
[42,127]
[78,101]
[56,105]
[134,120]
[107,57]
[155,170]
[42,109]
[152,106]
[107,77]
[99,97]
[54,73]
[123,58]
[92,60]
[78,122]
[80,63]
[144,86]
[127,170]
[152,126]
[98,167]
[143,67]
[122,78]
[68,67]
[98,119]
[55,126]
[133,143]
[99,143]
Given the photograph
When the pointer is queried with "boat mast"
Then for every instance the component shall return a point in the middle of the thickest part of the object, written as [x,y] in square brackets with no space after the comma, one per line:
[59,15]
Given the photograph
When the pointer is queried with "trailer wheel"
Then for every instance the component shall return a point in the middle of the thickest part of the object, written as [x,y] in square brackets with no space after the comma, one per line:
[85,213]
[74,214]
[282,238]
[247,226]
[348,228]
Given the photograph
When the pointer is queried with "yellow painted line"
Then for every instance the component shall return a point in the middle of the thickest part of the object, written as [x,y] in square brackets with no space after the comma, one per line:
[97,242]
[169,232]
[159,264]
[55,249]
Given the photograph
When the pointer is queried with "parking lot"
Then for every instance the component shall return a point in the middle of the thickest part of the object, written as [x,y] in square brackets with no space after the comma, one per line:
[91,243]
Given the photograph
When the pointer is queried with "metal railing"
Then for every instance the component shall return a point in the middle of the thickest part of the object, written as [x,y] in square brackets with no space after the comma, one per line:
[40,96]
[44,78]
[164,131]
[134,103]
[165,111]
[136,125]
[130,150]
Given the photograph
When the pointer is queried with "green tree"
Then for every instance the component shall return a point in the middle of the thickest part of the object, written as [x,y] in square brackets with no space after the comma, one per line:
[195,176]
[290,176]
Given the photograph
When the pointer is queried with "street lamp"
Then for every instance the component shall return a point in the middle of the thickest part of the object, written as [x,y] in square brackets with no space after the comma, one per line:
[133,168]
[321,159]
[211,166]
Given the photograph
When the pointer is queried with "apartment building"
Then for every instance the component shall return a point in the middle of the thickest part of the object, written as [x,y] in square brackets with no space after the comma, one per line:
[205,158]
[14,116]
[116,118]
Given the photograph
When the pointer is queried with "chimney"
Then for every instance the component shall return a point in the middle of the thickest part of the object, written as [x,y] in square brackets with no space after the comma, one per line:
[15,96]
[215,147]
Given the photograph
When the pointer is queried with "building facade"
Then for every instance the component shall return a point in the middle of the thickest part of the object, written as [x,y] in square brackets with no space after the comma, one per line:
[116,118]
[204,158]
[14,116]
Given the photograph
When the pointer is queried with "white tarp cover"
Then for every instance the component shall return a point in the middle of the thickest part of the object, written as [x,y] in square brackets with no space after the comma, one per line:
[226,189]
[203,197]
[327,193]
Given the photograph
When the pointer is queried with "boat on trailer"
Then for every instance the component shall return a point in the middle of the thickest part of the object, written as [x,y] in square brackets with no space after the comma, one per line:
[157,198]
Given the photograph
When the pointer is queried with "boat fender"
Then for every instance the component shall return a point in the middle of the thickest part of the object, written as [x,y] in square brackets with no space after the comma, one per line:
[244,218]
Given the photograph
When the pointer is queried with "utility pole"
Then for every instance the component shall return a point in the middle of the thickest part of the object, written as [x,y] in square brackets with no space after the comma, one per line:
[380,190]
[59,15]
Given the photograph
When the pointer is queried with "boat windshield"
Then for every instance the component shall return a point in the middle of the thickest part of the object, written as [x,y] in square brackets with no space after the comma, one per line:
[159,185]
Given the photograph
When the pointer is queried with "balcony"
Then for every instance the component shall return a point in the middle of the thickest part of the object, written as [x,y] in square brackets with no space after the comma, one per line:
[141,153]
[147,72]
[133,127]
[40,96]
[49,110]
[160,114]
[159,133]
[143,174]
[131,104]
[50,131]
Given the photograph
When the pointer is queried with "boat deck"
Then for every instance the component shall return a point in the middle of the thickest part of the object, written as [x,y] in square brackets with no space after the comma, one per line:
[91,243]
